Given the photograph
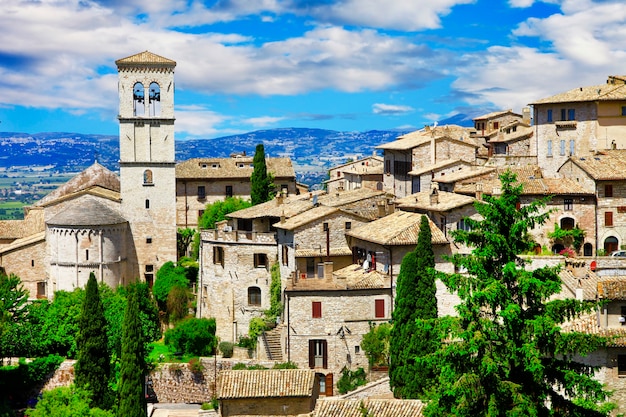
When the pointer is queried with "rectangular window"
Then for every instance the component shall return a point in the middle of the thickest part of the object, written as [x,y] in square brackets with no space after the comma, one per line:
[316,307]
[568,204]
[348,225]
[200,213]
[148,240]
[550,148]
[572,147]
[496,125]
[201,192]
[379,308]
[218,255]
[623,110]
[318,354]
[462,225]
[401,168]
[149,268]
[86,254]
[147,203]
[608,190]
[621,365]
[260,260]
[229,191]
[571,114]
[325,227]
[608,218]
[387,166]
[563,114]
[549,117]
[254,296]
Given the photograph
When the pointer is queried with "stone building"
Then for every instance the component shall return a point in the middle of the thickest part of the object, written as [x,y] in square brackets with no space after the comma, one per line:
[120,228]
[409,158]
[327,317]
[580,122]
[272,392]
[202,181]
[366,172]
[603,176]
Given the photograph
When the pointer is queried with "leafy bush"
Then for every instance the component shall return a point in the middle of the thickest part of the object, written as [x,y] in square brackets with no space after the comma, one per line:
[193,336]
[195,365]
[227,349]
[168,276]
[240,366]
[375,344]
[177,305]
[66,401]
[17,381]
[247,342]
[351,380]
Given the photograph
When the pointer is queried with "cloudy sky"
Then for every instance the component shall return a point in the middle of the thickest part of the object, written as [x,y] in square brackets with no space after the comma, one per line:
[245,65]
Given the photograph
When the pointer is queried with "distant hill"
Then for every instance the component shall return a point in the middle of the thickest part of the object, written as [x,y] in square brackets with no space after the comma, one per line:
[313,151]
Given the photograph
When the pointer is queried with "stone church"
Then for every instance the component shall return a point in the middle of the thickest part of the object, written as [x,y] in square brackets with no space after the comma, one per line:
[120,228]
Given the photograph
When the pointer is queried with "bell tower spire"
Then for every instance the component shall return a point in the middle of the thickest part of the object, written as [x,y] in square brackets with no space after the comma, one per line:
[147,159]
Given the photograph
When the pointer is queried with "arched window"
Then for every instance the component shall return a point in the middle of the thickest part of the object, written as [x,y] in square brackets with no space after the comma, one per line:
[147,177]
[567,223]
[587,249]
[610,244]
[139,106]
[254,296]
[154,102]
[557,248]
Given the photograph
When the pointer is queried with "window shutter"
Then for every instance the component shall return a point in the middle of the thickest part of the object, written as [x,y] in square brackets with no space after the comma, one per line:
[379,308]
[329,385]
[608,218]
[325,353]
[311,354]
[317,309]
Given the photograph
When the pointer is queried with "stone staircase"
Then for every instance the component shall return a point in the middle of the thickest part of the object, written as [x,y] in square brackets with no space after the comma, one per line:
[273,346]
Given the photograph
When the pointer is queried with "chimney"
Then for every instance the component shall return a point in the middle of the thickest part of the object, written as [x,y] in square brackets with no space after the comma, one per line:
[526,115]
[479,191]
[282,216]
[279,199]
[381,209]
[434,195]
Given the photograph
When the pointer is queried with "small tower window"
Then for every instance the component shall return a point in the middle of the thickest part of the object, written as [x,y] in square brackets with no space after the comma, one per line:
[147,177]
[154,96]
[147,203]
[139,108]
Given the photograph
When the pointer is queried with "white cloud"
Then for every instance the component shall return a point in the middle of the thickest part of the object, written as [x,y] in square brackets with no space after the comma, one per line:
[387,14]
[386,109]
[196,121]
[262,121]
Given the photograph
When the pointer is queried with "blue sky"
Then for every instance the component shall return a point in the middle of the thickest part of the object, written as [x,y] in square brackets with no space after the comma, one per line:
[351,65]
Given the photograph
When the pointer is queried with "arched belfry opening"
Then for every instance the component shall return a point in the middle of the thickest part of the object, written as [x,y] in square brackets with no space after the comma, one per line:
[154,102]
[139,108]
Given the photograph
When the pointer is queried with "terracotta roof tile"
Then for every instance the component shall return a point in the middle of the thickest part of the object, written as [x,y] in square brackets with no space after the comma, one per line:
[589,325]
[375,407]
[399,228]
[20,243]
[271,383]
[607,165]
[422,137]
[602,92]
[612,289]
[240,167]
[495,114]
[89,212]
[445,201]
[145,57]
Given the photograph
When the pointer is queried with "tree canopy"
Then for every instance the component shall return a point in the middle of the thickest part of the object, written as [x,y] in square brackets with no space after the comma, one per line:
[505,354]
[415,302]
[93,364]
[261,183]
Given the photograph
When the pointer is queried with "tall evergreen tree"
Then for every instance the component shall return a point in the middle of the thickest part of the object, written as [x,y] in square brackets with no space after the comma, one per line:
[415,303]
[93,364]
[261,183]
[132,401]
[505,355]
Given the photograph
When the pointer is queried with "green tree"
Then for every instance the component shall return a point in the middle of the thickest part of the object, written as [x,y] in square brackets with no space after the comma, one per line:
[184,237]
[415,303]
[216,212]
[375,344]
[13,308]
[178,303]
[168,276]
[194,336]
[505,355]
[66,401]
[61,322]
[93,361]
[132,401]
[261,184]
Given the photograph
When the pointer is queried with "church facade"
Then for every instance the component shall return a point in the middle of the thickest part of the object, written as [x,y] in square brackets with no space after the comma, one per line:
[120,228]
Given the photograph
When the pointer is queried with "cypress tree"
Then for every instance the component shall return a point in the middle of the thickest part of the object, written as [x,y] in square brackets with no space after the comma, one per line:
[260,182]
[415,308]
[132,401]
[93,365]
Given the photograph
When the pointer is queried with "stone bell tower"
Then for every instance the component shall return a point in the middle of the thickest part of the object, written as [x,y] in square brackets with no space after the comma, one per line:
[147,160]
